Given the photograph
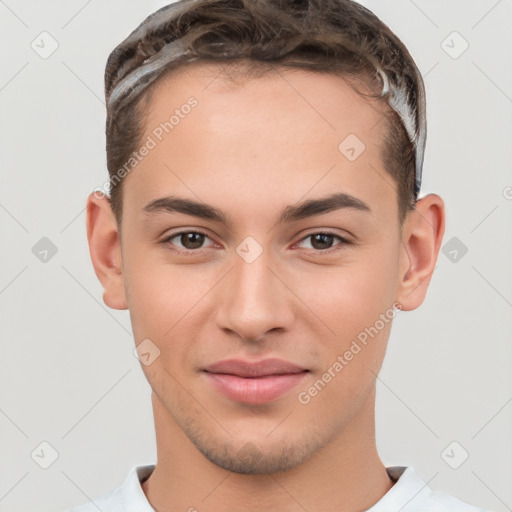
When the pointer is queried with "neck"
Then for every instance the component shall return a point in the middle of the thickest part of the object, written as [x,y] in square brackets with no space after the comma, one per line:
[346,475]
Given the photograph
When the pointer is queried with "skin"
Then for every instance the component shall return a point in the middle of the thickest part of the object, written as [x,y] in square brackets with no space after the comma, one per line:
[251,149]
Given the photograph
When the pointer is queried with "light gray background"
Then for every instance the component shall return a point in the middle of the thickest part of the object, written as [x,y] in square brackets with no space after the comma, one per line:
[68,375]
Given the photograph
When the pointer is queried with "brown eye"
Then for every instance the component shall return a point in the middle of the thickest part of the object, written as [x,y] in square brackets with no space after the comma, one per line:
[186,241]
[191,240]
[323,242]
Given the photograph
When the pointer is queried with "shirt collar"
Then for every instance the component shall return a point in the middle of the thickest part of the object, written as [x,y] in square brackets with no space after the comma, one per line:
[134,498]
[408,485]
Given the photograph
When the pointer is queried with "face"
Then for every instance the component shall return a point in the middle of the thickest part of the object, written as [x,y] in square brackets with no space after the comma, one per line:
[260,271]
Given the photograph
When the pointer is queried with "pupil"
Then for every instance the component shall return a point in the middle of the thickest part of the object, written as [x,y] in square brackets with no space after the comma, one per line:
[192,240]
[195,240]
[322,237]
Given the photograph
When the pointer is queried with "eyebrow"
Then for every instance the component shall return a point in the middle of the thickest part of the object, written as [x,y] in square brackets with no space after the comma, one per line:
[291,213]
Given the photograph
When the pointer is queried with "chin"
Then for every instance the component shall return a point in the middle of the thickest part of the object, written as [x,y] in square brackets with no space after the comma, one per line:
[257,457]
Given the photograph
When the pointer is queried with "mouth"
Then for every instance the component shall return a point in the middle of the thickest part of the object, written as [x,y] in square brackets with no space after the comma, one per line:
[254,382]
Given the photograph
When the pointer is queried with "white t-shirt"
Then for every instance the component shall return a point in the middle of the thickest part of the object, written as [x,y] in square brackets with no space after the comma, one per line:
[409,494]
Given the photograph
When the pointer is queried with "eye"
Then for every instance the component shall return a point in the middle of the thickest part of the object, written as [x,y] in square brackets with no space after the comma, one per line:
[322,242]
[191,241]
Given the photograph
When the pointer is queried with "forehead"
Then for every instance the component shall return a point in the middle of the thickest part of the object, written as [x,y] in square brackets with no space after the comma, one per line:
[286,130]
[243,81]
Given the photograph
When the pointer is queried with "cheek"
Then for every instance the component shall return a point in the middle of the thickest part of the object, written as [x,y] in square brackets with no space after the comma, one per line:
[358,308]
[347,297]
[350,297]
[165,302]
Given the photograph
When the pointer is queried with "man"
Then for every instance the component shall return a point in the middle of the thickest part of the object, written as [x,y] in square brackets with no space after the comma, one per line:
[263,219]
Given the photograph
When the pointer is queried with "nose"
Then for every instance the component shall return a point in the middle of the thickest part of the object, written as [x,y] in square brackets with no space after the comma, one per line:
[254,299]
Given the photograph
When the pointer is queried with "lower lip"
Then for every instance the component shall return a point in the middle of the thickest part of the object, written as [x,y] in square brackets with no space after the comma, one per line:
[255,390]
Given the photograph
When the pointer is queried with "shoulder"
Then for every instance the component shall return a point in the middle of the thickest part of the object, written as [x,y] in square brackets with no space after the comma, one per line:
[127,497]
[111,502]
[412,494]
[438,501]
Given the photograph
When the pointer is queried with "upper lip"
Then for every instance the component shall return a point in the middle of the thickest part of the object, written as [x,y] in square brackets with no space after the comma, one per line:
[244,368]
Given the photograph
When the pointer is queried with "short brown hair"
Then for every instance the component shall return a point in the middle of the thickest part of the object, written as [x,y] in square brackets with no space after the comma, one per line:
[334,36]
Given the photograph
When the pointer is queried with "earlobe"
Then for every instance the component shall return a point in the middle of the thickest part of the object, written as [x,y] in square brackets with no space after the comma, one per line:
[421,240]
[105,250]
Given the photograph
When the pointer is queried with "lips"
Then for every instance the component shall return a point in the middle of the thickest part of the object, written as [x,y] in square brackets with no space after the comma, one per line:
[254,382]
[254,369]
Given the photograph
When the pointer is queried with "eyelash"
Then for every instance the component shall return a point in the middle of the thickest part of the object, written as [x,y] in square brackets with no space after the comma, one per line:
[193,252]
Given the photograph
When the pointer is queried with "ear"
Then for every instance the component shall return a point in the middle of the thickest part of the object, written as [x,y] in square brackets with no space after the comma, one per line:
[105,249]
[422,235]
